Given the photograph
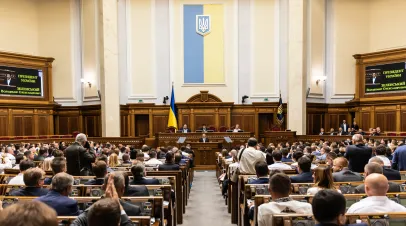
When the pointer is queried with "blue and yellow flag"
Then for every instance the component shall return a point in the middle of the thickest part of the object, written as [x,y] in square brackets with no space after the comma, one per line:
[172,122]
[279,114]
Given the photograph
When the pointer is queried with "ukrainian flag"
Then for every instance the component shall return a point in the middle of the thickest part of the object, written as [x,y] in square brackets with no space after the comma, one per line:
[203,52]
[279,114]
[172,122]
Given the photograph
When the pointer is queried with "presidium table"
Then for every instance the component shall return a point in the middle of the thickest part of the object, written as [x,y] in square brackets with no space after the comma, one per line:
[205,157]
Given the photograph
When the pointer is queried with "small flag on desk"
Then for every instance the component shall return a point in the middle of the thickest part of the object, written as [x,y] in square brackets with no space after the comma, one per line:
[279,114]
[172,122]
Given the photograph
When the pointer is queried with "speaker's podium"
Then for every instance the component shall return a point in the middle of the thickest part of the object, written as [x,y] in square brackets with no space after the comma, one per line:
[205,154]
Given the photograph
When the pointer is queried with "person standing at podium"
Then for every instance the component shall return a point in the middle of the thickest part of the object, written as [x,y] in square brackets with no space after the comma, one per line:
[236,128]
[185,129]
[204,139]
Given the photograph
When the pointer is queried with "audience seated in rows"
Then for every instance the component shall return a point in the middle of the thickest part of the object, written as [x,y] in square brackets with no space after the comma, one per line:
[169,164]
[33,180]
[138,172]
[153,160]
[277,157]
[374,168]
[341,173]
[99,171]
[285,153]
[261,169]
[304,168]
[19,179]
[389,173]
[58,165]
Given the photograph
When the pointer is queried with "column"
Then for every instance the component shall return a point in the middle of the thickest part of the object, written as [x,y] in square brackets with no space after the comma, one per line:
[109,79]
[296,113]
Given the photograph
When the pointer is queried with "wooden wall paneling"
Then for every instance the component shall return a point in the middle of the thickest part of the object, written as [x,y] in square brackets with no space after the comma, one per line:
[4,125]
[142,125]
[222,121]
[317,123]
[236,119]
[185,120]
[390,121]
[265,121]
[124,126]
[403,121]
[18,125]
[380,120]
[309,124]
[89,127]
[200,119]
[342,117]
[334,122]
[160,123]
[365,121]
[43,125]
[73,125]
[248,123]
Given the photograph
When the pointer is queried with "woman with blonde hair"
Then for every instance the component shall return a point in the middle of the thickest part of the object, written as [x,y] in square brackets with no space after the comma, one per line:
[323,179]
[113,160]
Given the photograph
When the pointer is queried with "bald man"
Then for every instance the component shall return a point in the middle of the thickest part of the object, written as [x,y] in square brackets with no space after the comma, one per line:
[376,186]
[374,168]
[389,173]
[342,173]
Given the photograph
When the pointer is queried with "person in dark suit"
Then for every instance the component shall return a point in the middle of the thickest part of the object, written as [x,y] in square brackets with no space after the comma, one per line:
[285,153]
[204,139]
[79,158]
[322,132]
[204,128]
[43,153]
[138,172]
[361,132]
[355,126]
[185,129]
[358,154]
[341,132]
[375,79]
[261,169]
[390,174]
[58,165]
[58,196]
[332,132]
[329,208]
[99,170]
[118,180]
[179,159]
[341,173]
[305,174]
[371,168]
[33,180]
[169,163]
[344,126]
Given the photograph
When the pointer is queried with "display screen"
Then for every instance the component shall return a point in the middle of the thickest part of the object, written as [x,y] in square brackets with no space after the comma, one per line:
[21,82]
[385,78]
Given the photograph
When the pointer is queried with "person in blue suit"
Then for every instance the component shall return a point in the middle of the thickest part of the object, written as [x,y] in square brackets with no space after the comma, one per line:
[261,169]
[58,196]
[329,208]
[34,180]
[304,168]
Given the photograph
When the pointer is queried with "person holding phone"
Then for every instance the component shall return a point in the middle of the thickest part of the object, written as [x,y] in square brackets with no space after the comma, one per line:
[79,157]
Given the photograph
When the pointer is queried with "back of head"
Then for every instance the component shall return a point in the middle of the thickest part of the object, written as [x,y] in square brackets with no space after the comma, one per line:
[376,185]
[277,155]
[58,165]
[119,181]
[19,158]
[252,142]
[113,160]
[145,148]
[61,182]
[81,138]
[152,154]
[380,150]
[341,162]
[99,169]
[32,213]
[279,184]
[103,158]
[105,212]
[285,151]
[297,155]
[328,205]
[126,157]
[169,157]
[261,168]
[305,164]
[137,170]
[376,160]
[42,151]
[323,177]
[357,138]
[26,164]
[33,176]
[373,168]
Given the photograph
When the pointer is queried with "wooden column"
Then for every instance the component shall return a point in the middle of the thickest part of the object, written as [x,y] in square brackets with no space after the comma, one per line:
[151,123]
[398,119]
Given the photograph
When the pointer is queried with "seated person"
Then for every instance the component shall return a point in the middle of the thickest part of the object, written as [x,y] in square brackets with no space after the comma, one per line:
[204,139]
[341,132]
[342,173]
[375,168]
[323,153]
[58,165]
[322,132]
[280,189]
[99,171]
[105,159]
[329,208]
[138,172]
[179,160]
[19,158]
[169,163]
[153,160]
[330,158]
[380,152]
[32,213]
[376,186]
[185,129]
[134,190]
[33,180]
[106,212]
[126,159]
[43,153]
[305,174]
[323,179]
[58,196]
[261,169]
[236,128]
[285,153]
[117,180]
[19,179]
[332,132]
[204,128]
[389,173]
[277,157]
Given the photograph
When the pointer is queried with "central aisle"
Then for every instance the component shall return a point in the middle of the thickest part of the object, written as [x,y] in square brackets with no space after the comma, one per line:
[206,206]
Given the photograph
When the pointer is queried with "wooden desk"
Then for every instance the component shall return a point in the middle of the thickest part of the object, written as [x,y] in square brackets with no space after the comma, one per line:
[170,139]
[205,154]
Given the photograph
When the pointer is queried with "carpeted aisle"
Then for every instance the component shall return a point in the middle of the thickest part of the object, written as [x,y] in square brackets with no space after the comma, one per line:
[206,206]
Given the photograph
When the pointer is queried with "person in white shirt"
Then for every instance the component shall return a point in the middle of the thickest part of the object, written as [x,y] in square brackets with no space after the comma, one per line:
[249,157]
[376,186]
[153,160]
[280,189]
[10,155]
[24,165]
[277,157]
[380,152]
[236,128]
[5,163]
